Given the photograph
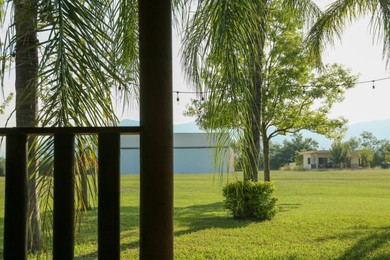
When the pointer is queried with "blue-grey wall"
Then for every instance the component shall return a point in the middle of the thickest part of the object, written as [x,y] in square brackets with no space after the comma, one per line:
[193,153]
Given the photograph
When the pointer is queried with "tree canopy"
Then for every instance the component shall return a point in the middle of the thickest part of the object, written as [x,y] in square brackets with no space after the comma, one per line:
[294,94]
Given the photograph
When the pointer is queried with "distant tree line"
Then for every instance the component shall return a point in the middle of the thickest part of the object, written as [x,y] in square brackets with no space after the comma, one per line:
[373,152]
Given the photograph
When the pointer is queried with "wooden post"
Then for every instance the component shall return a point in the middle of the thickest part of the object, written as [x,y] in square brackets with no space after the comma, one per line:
[63,218]
[109,196]
[15,218]
[156,142]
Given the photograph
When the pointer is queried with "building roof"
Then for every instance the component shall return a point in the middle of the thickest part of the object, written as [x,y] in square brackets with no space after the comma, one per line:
[316,152]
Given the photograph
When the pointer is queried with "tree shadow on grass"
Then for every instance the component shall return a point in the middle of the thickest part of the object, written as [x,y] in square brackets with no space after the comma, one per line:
[192,218]
[368,240]
[202,217]
[129,223]
[368,244]
[195,218]
[284,207]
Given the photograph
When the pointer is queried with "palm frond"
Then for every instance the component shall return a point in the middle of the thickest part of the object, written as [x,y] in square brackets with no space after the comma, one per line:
[335,19]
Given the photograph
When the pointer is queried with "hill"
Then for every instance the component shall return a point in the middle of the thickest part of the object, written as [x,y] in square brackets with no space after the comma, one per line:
[379,128]
[190,127]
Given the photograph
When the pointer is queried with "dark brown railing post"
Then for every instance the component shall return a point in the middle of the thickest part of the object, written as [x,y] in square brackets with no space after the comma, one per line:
[109,196]
[156,143]
[63,219]
[15,218]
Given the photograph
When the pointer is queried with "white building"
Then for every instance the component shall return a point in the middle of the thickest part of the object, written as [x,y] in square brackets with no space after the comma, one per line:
[322,160]
[193,153]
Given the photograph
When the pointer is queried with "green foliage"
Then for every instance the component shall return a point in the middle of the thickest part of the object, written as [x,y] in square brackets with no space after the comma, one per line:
[267,87]
[366,156]
[288,151]
[2,166]
[373,152]
[250,200]
[339,15]
[339,153]
[232,40]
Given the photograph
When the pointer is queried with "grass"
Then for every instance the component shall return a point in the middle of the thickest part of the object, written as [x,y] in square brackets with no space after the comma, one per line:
[322,215]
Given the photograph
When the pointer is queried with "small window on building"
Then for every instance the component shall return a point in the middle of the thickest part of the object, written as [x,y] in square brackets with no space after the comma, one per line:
[308,160]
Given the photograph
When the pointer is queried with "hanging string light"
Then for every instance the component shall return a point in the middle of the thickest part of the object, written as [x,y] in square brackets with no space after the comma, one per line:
[200,93]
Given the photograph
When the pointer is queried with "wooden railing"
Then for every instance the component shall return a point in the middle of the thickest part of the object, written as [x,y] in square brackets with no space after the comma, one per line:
[15,215]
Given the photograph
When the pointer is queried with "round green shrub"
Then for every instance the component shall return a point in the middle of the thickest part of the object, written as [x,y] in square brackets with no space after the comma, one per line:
[250,200]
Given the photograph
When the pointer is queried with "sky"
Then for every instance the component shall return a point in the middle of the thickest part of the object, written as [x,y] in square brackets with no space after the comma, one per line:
[356,51]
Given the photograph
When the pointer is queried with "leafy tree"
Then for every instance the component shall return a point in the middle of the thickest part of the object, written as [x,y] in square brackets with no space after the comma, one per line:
[354,143]
[366,156]
[382,152]
[298,97]
[224,48]
[295,146]
[292,88]
[368,140]
[277,156]
[288,151]
[341,153]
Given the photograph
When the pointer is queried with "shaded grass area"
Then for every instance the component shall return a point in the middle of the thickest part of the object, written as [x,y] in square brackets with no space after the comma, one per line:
[322,215]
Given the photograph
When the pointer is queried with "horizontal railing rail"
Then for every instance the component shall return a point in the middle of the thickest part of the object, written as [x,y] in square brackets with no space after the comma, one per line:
[15,215]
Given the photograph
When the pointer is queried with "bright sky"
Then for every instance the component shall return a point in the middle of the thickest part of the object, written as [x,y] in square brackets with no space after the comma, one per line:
[356,51]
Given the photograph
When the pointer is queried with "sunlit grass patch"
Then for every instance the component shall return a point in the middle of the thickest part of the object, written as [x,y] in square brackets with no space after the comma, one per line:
[321,215]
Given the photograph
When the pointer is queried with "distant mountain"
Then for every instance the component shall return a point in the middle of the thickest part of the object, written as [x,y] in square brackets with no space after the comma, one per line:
[379,128]
[127,122]
[190,127]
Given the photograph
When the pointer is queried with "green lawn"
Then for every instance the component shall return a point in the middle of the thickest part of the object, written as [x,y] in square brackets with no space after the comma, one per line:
[322,215]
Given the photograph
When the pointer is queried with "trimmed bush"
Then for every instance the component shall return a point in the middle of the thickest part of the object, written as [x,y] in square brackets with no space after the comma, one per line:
[250,200]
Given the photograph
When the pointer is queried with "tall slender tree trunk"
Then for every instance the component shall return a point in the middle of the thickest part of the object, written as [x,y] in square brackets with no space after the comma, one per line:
[26,59]
[255,133]
[267,172]
[253,149]
[84,192]
[83,171]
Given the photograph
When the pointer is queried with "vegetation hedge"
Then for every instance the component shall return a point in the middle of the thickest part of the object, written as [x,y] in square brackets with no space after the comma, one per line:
[250,200]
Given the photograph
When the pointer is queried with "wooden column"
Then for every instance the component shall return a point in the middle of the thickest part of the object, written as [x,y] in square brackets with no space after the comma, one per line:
[15,219]
[109,196]
[63,218]
[156,142]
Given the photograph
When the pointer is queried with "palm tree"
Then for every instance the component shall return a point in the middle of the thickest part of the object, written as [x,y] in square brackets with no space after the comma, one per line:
[223,53]
[72,56]
[340,13]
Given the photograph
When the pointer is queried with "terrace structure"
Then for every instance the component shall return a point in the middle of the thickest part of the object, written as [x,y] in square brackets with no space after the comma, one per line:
[156,152]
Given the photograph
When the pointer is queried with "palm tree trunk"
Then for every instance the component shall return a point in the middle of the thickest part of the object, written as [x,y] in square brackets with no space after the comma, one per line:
[255,155]
[26,59]
[83,169]
[267,172]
